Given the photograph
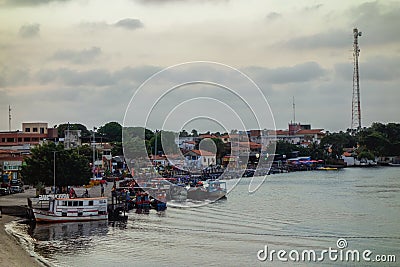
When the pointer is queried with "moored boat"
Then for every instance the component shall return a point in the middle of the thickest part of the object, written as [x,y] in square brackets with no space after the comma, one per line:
[216,189]
[72,210]
[211,190]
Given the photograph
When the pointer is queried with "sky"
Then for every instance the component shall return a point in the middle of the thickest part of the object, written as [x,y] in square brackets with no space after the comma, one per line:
[93,61]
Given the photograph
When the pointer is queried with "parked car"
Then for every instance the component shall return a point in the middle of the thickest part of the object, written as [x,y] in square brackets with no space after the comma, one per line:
[16,189]
[4,191]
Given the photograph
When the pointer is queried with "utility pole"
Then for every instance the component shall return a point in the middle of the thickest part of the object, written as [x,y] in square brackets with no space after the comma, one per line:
[54,171]
[356,107]
[9,118]
[155,146]
[94,152]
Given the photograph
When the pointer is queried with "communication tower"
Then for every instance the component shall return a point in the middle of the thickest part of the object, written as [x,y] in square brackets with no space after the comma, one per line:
[356,107]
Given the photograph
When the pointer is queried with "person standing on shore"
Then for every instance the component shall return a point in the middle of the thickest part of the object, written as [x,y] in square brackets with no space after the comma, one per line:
[102,190]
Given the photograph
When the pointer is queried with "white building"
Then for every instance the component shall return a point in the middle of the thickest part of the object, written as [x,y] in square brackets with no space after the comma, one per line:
[199,158]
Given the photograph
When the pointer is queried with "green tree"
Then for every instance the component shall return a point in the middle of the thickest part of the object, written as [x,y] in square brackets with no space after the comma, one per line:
[221,149]
[381,139]
[116,149]
[336,142]
[195,133]
[111,131]
[183,133]
[71,168]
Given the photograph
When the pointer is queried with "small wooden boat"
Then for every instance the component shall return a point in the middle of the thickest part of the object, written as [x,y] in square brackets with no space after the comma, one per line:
[72,210]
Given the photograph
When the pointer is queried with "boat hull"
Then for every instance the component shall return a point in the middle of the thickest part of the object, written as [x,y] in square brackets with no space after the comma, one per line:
[47,217]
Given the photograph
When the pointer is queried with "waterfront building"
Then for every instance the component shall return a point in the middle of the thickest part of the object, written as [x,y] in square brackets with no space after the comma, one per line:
[32,134]
[199,158]
[297,134]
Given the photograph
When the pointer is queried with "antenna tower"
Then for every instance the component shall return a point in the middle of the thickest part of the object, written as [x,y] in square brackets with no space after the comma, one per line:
[294,112]
[356,107]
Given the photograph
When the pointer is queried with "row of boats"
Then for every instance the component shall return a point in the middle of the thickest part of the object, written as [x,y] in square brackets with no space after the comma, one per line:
[63,208]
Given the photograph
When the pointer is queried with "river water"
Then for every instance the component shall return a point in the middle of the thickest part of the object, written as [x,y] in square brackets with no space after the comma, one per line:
[292,211]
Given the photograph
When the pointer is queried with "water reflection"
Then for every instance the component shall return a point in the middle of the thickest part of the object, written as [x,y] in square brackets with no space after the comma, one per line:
[68,231]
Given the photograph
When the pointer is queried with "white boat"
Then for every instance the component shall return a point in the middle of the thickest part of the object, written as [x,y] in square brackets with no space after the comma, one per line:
[73,210]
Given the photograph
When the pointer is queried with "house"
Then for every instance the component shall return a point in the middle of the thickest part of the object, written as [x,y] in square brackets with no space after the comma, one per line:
[188,145]
[199,158]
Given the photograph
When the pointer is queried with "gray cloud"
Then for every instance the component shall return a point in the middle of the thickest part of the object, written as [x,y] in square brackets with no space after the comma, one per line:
[373,69]
[304,72]
[378,20]
[29,30]
[130,24]
[28,2]
[96,77]
[77,57]
[13,76]
[177,1]
[273,16]
[313,7]
[327,39]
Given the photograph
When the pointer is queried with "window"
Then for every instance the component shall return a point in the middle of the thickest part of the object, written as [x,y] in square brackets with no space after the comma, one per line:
[35,139]
[10,140]
[80,203]
[34,129]
[69,203]
[41,130]
[27,139]
[3,140]
[75,203]
[27,130]
[19,139]
[90,202]
[205,160]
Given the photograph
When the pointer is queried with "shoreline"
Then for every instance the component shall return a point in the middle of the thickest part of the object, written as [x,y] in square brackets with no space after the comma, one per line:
[13,252]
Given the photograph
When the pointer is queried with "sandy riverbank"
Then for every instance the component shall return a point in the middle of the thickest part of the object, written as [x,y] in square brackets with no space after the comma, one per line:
[12,253]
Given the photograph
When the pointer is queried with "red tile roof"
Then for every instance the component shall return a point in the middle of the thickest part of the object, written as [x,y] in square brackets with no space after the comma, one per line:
[202,152]
[312,131]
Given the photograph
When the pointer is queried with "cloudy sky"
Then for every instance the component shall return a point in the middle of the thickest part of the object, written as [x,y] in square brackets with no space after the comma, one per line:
[83,60]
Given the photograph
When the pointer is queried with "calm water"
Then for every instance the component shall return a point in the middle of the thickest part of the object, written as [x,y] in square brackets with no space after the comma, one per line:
[302,210]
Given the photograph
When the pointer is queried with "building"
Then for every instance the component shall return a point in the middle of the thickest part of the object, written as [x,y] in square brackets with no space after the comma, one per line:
[199,158]
[297,134]
[10,164]
[72,139]
[33,133]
